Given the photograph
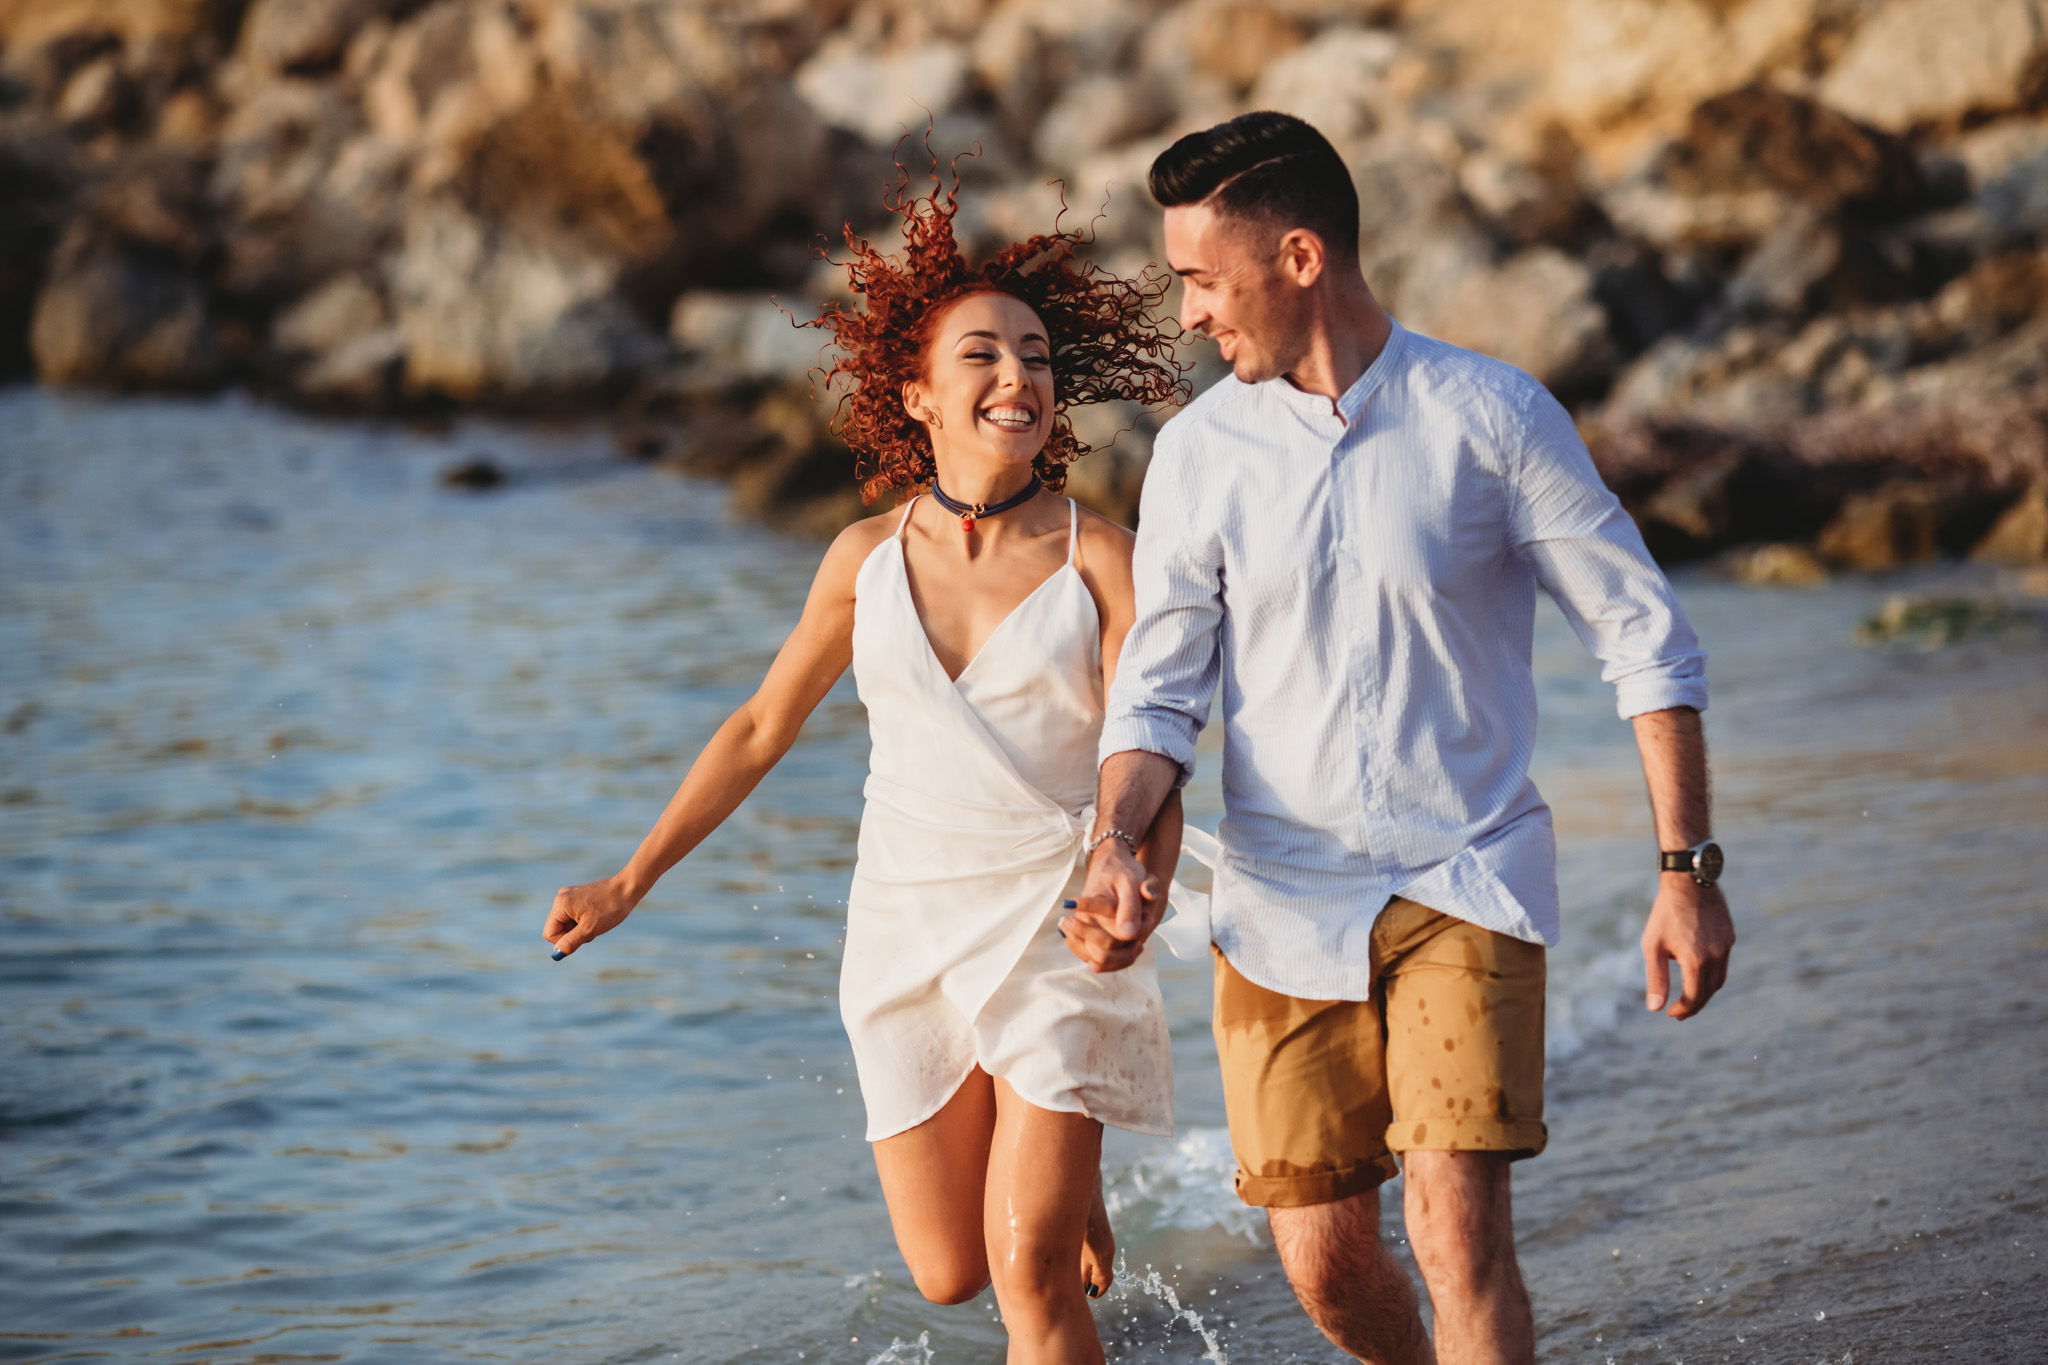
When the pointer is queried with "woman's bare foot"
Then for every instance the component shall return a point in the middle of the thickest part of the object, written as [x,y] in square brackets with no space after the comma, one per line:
[1098,1248]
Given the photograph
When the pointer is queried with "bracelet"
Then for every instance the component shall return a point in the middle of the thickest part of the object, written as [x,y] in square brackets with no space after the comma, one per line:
[1111,833]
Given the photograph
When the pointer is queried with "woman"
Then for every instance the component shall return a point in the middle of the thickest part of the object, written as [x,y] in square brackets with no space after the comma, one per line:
[983,621]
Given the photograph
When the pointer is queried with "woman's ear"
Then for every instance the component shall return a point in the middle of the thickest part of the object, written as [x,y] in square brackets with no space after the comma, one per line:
[915,403]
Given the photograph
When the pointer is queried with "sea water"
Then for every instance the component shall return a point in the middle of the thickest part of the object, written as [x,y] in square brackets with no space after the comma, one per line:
[298,745]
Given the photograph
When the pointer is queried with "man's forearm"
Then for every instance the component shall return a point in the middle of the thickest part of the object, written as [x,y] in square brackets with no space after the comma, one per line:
[1674,748]
[1131,789]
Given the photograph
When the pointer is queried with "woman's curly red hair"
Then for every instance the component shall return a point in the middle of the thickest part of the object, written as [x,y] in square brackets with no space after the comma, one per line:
[1106,343]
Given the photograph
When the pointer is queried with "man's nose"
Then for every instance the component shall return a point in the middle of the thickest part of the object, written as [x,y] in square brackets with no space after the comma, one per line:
[1194,312]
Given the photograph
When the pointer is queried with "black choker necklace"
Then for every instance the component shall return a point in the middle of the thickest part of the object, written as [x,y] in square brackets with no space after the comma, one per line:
[968,512]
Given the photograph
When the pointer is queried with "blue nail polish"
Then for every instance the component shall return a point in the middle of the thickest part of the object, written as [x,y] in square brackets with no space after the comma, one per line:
[1069,905]
[558,955]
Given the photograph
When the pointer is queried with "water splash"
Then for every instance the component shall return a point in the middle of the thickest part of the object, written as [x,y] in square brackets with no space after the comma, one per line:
[901,1352]
[1153,1285]
[1187,1185]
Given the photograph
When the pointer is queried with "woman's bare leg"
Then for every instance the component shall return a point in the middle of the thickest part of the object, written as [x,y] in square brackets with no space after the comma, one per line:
[933,1178]
[1042,1174]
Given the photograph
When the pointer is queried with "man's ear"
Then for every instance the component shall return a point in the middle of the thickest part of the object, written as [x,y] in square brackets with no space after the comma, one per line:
[1304,256]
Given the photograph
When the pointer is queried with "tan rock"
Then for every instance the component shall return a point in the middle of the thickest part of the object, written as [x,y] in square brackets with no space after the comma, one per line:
[361,372]
[111,316]
[1623,74]
[2020,537]
[882,96]
[1093,114]
[1777,566]
[1535,310]
[188,118]
[1236,41]
[748,336]
[344,308]
[304,35]
[94,93]
[1919,62]
[1336,82]
[1907,521]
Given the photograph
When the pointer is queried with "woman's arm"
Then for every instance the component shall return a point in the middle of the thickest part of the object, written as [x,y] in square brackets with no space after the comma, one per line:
[1109,944]
[751,741]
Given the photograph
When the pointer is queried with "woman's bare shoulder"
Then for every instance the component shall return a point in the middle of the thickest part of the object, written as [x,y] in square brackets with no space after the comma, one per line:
[1100,536]
[852,546]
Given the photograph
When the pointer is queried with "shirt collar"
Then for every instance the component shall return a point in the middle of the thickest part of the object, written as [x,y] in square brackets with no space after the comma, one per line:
[1353,400]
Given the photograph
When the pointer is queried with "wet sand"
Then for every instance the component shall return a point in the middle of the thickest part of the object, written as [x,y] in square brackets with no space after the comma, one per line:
[1842,1158]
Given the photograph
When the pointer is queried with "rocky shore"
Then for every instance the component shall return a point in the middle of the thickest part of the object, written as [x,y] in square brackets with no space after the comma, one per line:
[1787,259]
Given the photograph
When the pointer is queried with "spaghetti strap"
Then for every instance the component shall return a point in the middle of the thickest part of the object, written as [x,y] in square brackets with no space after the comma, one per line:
[1073,527]
[904,520]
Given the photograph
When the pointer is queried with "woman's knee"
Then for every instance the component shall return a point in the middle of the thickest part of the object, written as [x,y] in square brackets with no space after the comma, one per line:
[952,1280]
[1034,1270]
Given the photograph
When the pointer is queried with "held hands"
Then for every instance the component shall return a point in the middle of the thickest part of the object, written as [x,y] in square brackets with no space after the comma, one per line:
[1689,925]
[582,912]
[1119,907]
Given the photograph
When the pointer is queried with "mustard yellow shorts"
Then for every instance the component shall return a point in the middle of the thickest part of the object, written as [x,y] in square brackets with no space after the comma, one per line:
[1447,1055]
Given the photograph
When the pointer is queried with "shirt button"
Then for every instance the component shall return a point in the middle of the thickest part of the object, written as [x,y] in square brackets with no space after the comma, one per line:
[1375,804]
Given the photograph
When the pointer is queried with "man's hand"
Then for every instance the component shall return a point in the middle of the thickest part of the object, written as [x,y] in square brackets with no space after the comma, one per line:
[1689,925]
[1119,907]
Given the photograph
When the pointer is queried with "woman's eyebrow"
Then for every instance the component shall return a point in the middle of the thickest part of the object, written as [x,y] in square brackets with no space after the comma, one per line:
[1028,336]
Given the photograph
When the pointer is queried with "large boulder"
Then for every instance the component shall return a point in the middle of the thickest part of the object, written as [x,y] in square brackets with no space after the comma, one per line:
[1536,309]
[1336,82]
[116,314]
[490,313]
[2021,535]
[883,96]
[1909,522]
[302,37]
[1745,159]
[1940,62]
[1624,74]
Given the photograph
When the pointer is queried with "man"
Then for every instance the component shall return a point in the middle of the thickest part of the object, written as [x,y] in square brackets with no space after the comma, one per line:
[1347,535]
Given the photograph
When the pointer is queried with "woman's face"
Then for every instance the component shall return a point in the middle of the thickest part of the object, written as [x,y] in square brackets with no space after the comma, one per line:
[987,386]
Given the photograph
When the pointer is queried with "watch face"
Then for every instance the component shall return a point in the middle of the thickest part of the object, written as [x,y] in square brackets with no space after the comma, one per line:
[1707,866]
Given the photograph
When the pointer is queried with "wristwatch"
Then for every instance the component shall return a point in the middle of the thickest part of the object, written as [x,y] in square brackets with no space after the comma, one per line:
[1703,860]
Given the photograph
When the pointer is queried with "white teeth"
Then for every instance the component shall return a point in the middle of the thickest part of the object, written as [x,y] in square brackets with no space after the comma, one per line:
[1010,417]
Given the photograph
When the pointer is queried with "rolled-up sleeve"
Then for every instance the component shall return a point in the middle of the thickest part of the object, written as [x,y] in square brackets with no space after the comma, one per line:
[1590,558]
[1166,674]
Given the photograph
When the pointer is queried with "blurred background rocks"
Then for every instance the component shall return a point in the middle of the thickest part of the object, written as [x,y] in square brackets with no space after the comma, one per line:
[1786,259]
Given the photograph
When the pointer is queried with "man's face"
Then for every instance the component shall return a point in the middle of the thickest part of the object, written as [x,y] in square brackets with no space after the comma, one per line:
[1234,291]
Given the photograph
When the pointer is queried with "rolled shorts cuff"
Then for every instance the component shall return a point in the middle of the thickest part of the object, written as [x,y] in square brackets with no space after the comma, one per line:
[1307,1187]
[1519,1138]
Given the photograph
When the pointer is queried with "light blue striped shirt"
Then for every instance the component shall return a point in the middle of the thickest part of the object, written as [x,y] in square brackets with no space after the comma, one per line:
[1363,587]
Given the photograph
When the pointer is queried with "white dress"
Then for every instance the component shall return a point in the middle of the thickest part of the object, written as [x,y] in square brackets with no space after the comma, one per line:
[979,798]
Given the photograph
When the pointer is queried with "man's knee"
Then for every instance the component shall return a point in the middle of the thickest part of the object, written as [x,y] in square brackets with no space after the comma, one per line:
[1327,1249]
[1460,1219]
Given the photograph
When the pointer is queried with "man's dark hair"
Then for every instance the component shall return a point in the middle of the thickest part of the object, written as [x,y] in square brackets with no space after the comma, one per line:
[1268,168]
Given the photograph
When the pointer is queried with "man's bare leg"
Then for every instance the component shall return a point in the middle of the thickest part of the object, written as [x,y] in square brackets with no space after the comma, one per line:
[1349,1282]
[1461,1226]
